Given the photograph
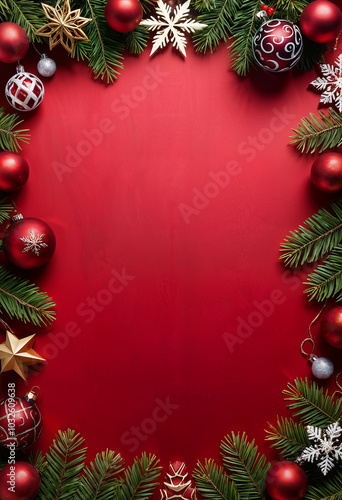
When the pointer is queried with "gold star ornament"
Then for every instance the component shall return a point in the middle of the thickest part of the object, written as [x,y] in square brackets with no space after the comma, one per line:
[64,26]
[17,354]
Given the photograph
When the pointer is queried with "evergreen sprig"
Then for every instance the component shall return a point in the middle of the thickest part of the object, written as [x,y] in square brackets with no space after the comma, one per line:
[292,8]
[326,280]
[213,483]
[140,479]
[10,136]
[328,489]
[6,208]
[38,461]
[288,437]
[136,40]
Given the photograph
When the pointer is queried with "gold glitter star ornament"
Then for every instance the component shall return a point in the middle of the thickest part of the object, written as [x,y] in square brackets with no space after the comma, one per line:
[17,354]
[64,26]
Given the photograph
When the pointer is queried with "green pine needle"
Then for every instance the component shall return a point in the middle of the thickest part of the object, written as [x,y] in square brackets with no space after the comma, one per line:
[213,483]
[246,466]
[38,461]
[140,479]
[329,488]
[312,54]
[6,208]
[136,40]
[288,437]
[326,281]
[203,5]
[292,8]
[27,14]
[10,137]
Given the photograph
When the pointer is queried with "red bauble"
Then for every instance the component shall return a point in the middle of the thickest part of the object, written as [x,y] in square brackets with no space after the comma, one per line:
[286,481]
[24,91]
[20,422]
[326,172]
[23,478]
[123,15]
[14,42]
[331,327]
[321,21]
[277,45]
[28,243]
[14,171]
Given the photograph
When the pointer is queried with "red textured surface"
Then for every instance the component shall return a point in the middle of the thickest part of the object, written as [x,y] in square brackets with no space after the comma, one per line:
[128,346]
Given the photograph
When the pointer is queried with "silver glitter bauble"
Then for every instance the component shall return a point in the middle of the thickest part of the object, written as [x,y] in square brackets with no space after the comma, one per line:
[322,368]
[46,66]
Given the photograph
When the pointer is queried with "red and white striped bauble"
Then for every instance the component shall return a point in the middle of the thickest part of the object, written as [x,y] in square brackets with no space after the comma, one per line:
[24,91]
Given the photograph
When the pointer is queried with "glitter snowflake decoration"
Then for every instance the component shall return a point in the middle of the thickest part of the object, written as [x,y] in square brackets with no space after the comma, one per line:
[330,84]
[326,448]
[170,26]
[34,243]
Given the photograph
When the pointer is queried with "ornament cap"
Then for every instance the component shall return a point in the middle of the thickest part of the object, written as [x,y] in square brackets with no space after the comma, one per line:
[312,358]
[20,68]
[43,56]
[17,217]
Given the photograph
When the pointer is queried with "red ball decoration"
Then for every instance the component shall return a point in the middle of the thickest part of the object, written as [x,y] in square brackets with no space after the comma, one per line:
[28,243]
[123,15]
[286,481]
[277,45]
[326,172]
[331,327]
[24,91]
[14,42]
[20,422]
[321,21]
[14,171]
[19,481]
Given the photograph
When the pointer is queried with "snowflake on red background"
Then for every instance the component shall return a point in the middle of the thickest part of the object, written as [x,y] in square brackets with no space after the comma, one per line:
[330,83]
[34,243]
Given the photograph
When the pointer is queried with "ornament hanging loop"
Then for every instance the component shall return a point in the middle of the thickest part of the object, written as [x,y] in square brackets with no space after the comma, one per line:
[7,327]
[339,386]
[305,354]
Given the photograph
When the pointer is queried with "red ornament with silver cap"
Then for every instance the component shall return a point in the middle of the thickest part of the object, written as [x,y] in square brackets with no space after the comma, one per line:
[24,91]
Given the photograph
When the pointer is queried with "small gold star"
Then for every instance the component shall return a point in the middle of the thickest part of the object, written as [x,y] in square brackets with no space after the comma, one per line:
[17,354]
[65,26]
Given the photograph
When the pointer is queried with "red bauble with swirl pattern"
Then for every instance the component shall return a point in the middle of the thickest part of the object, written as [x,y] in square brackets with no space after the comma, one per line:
[321,21]
[123,15]
[277,45]
[286,481]
[14,42]
[23,478]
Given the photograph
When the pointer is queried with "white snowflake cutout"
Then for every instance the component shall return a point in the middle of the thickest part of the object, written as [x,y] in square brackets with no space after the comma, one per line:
[34,243]
[330,84]
[170,26]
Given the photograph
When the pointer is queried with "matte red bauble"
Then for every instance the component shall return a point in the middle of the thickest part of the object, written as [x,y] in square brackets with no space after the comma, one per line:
[321,21]
[326,172]
[28,243]
[123,15]
[14,171]
[14,42]
[331,327]
[23,478]
[286,481]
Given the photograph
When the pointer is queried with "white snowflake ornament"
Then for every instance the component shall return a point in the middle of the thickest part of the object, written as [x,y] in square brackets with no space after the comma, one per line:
[326,449]
[170,26]
[34,243]
[330,84]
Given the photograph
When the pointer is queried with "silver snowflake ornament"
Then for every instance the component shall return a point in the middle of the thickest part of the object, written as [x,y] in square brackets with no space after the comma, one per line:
[170,26]
[34,243]
[326,447]
[330,83]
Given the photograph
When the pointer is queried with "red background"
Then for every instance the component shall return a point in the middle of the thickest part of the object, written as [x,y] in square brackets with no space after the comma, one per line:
[162,338]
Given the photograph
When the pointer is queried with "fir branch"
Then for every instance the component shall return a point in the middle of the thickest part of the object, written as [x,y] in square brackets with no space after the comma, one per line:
[247,467]
[313,405]
[136,40]
[9,137]
[140,479]
[329,489]
[5,11]
[323,131]
[320,234]
[203,5]
[292,8]
[61,477]
[326,281]
[38,461]
[6,208]
[312,54]
[23,300]
[288,437]
[28,15]
[213,483]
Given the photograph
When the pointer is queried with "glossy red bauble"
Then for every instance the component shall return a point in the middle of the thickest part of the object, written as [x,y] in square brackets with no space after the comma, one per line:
[321,21]
[14,42]
[331,327]
[19,481]
[326,172]
[123,15]
[14,171]
[286,481]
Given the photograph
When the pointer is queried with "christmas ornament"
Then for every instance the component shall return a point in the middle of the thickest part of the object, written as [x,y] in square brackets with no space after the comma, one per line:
[46,66]
[321,21]
[14,42]
[326,449]
[17,354]
[169,27]
[177,485]
[286,481]
[64,27]
[277,45]
[14,171]
[24,91]
[331,327]
[20,421]
[28,243]
[20,481]
[330,83]
[326,172]
[123,15]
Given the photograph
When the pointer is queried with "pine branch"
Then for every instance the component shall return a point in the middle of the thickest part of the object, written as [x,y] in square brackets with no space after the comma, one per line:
[140,479]
[324,132]
[23,300]
[292,8]
[320,234]
[329,489]
[312,54]
[136,40]
[213,483]
[203,5]
[326,281]
[10,138]
[38,461]
[6,208]
[28,15]
[247,467]
[313,405]
[100,481]
[288,437]
[61,477]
